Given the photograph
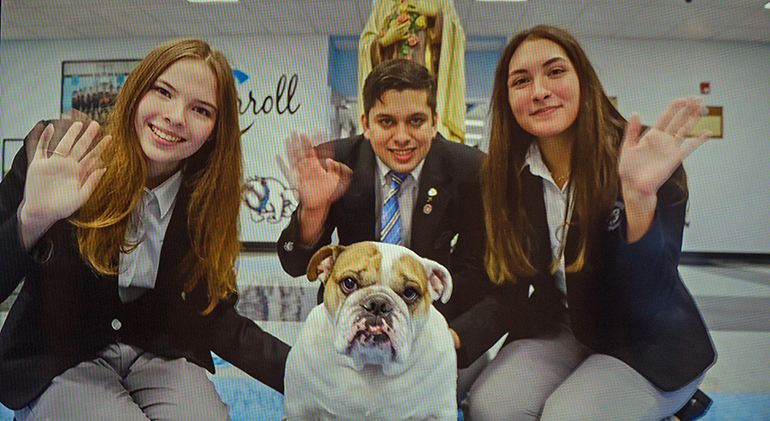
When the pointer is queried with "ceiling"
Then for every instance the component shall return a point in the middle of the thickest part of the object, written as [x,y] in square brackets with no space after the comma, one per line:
[729,20]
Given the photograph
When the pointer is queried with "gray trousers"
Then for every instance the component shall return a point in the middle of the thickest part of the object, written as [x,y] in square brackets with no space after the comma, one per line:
[126,383]
[555,377]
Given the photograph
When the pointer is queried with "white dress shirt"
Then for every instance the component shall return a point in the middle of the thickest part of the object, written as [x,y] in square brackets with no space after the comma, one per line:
[147,227]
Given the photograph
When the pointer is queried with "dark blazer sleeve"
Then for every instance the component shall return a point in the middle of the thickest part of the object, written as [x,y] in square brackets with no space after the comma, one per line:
[478,330]
[472,305]
[295,256]
[487,316]
[647,269]
[467,257]
[241,342]
[655,323]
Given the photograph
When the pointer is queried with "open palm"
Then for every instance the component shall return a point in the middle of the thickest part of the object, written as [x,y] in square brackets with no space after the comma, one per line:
[646,162]
[59,181]
[318,181]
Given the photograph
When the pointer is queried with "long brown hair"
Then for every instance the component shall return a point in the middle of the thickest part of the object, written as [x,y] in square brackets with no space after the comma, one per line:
[598,132]
[213,173]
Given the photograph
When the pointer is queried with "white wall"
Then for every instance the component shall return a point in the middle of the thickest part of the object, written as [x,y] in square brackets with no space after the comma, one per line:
[729,177]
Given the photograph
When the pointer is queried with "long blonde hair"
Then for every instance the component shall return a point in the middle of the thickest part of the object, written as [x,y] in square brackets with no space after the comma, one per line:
[599,130]
[213,173]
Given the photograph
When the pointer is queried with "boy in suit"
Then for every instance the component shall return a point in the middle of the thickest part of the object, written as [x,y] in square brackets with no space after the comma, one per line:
[399,182]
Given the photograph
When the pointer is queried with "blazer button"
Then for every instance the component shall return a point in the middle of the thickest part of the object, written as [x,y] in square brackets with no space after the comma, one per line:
[116,325]
[43,252]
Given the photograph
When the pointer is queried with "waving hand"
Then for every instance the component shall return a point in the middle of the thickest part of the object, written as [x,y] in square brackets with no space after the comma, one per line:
[646,162]
[59,181]
[319,182]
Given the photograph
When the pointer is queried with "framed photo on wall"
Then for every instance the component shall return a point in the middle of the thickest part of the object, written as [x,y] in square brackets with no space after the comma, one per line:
[92,86]
[712,122]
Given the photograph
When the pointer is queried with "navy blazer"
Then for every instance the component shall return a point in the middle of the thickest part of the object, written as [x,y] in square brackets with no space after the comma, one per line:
[628,301]
[66,313]
[452,170]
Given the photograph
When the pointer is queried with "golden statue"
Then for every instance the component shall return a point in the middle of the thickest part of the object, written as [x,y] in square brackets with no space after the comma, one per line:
[427,32]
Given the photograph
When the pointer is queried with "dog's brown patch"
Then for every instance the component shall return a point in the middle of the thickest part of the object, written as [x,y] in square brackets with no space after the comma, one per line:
[410,272]
[314,268]
[361,261]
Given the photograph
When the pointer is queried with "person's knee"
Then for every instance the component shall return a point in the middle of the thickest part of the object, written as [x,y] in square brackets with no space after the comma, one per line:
[209,408]
[564,407]
[484,404]
[593,405]
[190,404]
[188,394]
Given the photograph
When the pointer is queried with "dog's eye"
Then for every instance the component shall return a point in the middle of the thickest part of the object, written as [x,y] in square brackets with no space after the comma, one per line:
[410,295]
[348,285]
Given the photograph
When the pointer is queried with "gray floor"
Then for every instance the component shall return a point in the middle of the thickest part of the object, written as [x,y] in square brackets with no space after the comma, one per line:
[735,303]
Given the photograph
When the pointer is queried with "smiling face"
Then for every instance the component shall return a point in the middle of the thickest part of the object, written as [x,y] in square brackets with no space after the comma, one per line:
[400,127]
[176,117]
[543,88]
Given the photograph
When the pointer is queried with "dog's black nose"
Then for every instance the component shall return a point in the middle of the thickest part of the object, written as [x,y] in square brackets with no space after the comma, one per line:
[377,307]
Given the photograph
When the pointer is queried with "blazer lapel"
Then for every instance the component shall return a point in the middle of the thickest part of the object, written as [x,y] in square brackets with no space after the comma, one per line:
[534,205]
[358,210]
[434,196]
[571,249]
[176,242]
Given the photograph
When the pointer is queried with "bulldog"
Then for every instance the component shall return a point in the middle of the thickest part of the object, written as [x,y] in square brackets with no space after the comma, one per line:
[376,348]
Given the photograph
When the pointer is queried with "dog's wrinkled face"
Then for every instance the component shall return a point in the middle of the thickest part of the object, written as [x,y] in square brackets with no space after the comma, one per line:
[378,296]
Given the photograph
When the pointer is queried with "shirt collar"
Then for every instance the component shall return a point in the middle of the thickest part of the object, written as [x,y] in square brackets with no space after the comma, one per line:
[534,160]
[537,167]
[384,169]
[166,193]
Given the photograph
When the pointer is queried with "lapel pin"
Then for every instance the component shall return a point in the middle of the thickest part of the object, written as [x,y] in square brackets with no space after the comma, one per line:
[614,219]
[427,209]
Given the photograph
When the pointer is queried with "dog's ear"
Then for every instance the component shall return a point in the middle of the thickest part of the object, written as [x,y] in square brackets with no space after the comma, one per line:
[439,280]
[322,262]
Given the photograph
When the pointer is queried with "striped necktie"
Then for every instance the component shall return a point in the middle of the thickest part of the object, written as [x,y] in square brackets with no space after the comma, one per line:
[390,231]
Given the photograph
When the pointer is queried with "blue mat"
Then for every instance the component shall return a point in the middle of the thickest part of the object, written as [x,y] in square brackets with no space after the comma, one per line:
[738,407]
[250,399]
